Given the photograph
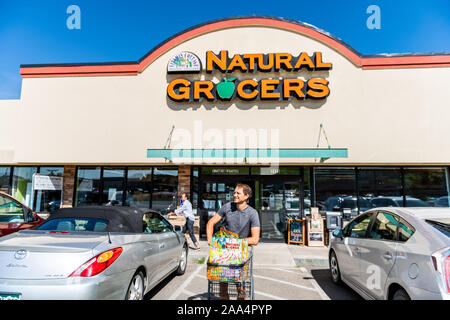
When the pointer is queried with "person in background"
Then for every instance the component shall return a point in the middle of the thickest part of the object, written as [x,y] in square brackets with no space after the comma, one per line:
[186,209]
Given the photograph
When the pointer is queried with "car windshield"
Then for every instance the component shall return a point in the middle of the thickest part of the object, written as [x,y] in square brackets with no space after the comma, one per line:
[74,224]
[441,224]
[10,210]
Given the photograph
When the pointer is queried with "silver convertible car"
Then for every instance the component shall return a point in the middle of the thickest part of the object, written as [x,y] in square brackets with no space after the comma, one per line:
[91,253]
[394,253]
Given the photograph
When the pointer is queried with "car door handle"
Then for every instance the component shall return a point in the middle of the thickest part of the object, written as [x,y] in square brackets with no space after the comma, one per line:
[162,245]
[387,256]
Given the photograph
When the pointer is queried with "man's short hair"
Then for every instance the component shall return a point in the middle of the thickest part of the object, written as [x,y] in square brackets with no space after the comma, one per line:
[245,188]
[184,193]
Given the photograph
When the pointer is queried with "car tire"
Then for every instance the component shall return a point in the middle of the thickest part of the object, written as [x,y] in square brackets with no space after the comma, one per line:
[334,269]
[400,294]
[183,261]
[135,290]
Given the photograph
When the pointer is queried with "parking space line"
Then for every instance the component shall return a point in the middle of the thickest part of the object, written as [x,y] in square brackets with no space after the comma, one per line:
[185,284]
[268,295]
[319,290]
[284,282]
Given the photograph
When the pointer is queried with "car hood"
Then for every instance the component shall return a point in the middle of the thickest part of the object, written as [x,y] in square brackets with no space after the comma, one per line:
[44,255]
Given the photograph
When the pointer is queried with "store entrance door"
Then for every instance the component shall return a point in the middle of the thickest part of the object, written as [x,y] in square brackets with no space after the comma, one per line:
[278,201]
[214,193]
[275,198]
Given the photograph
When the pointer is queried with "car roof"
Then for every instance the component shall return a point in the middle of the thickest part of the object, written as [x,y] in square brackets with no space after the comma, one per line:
[120,219]
[419,212]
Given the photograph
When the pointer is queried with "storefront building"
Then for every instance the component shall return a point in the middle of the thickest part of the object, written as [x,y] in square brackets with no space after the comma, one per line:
[287,108]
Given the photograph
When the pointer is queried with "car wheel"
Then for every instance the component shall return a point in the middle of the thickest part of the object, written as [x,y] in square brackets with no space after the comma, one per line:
[401,294]
[334,269]
[183,261]
[136,288]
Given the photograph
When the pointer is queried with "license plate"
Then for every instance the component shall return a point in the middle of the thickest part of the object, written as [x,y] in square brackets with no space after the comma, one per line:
[10,296]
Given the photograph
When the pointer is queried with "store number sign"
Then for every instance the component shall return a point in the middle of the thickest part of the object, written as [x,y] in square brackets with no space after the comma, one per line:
[248,89]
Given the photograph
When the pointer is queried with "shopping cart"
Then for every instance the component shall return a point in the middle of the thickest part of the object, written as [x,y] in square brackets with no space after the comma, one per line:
[231,281]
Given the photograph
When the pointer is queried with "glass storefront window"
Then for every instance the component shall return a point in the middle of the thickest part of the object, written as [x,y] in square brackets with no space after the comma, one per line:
[292,197]
[225,193]
[22,184]
[336,189]
[165,184]
[426,187]
[139,187]
[48,201]
[52,171]
[272,196]
[113,186]
[380,187]
[88,186]
[5,173]
[194,194]
[307,191]
[209,195]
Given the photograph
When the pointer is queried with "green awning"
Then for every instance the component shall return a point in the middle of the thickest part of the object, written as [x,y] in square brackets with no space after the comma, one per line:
[247,153]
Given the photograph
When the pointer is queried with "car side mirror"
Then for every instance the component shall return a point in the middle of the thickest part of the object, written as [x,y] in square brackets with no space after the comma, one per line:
[177,228]
[337,233]
[29,216]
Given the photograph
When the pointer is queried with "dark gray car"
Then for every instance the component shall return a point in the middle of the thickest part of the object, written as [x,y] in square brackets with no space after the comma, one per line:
[91,253]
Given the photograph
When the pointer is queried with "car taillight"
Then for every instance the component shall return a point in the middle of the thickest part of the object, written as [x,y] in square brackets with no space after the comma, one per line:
[441,263]
[447,272]
[97,264]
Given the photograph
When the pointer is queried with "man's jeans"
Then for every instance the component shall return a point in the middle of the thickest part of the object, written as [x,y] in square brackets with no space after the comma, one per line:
[190,226]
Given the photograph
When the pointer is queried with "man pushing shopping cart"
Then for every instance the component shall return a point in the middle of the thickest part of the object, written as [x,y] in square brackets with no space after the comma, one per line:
[243,221]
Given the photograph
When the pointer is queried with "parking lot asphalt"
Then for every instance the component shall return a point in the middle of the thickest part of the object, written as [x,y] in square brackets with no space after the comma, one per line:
[281,272]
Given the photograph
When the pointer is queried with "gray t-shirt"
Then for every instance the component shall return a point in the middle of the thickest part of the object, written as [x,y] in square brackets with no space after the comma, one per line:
[239,222]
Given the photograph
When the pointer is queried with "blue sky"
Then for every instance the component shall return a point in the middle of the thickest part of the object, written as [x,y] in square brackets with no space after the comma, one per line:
[35,31]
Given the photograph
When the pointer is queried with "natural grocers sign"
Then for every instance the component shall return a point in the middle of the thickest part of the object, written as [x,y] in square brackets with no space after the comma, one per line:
[183,90]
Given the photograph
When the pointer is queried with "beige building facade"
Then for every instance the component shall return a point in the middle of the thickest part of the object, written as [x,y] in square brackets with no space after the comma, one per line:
[329,125]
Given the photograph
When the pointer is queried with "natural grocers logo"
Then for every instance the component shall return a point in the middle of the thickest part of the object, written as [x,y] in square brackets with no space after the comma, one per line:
[184,62]
[276,88]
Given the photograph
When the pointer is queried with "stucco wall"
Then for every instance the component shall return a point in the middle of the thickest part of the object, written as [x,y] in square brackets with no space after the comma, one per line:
[392,116]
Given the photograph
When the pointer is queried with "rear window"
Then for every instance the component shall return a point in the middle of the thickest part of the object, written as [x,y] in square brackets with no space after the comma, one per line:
[441,224]
[74,224]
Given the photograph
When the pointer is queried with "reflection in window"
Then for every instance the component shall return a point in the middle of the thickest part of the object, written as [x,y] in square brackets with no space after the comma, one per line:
[333,187]
[88,186]
[22,184]
[382,187]
[5,173]
[272,196]
[292,197]
[358,228]
[209,195]
[113,186]
[225,193]
[307,191]
[48,201]
[165,184]
[405,230]
[10,211]
[154,223]
[384,227]
[139,187]
[426,187]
